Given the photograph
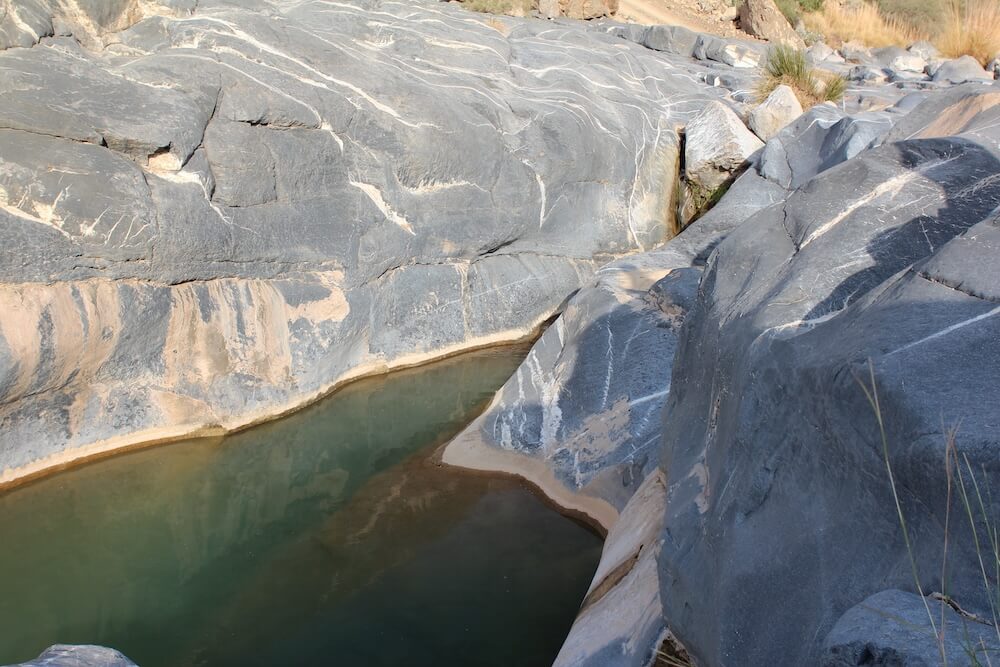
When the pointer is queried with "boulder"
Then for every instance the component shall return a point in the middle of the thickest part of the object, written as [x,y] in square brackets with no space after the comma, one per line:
[717,144]
[854,52]
[763,19]
[881,271]
[779,109]
[821,53]
[962,70]
[64,655]
[866,74]
[670,39]
[821,138]
[892,628]
[896,59]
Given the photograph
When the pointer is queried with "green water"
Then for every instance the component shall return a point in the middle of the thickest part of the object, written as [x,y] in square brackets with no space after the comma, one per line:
[327,538]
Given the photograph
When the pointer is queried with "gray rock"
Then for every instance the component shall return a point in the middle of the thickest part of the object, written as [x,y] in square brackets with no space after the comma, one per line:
[717,144]
[821,53]
[242,208]
[897,59]
[857,53]
[925,50]
[962,70]
[994,67]
[889,257]
[779,109]
[738,54]
[670,39]
[893,628]
[820,139]
[866,74]
[63,655]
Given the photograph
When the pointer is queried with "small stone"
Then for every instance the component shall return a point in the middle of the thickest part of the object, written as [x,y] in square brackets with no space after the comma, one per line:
[779,109]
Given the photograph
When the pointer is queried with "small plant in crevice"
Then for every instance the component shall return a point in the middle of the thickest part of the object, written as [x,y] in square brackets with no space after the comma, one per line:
[789,66]
[961,478]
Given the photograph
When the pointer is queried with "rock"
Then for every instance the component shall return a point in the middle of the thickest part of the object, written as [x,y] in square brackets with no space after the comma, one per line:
[621,618]
[821,53]
[854,52]
[994,67]
[591,451]
[717,145]
[890,259]
[738,54]
[763,19]
[670,39]
[925,50]
[779,109]
[896,59]
[892,628]
[63,655]
[961,70]
[866,74]
[821,139]
[258,217]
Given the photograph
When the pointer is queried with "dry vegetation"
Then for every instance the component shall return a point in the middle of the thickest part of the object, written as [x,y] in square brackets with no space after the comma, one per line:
[788,66]
[956,27]
[972,30]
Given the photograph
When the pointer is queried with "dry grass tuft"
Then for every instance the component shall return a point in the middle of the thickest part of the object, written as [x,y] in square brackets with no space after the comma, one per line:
[788,66]
[862,24]
[971,28]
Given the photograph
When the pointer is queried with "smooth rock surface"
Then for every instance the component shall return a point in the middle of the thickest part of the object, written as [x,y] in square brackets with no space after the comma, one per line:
[244,206]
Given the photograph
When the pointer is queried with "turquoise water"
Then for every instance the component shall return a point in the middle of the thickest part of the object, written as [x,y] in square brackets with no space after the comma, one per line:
[327,538]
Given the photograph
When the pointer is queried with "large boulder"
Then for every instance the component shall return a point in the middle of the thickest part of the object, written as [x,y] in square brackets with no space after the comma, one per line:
[763,19]
[716,145]
[779,109]
[877,275]
[245,207]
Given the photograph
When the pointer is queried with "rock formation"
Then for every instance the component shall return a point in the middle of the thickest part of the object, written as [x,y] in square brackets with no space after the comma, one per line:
[243,207]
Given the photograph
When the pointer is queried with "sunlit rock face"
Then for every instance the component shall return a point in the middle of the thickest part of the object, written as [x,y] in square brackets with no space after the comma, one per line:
[211,215]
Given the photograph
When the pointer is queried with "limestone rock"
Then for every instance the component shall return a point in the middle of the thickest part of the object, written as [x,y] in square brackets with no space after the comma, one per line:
[962,70]
[64,655]
[854,52]
[779,109]
[763,19]
[892,628]
[821,53]
[717,144]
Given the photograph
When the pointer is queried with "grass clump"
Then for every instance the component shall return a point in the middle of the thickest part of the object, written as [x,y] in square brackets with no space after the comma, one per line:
[971,28]
[788,66]
[863,23]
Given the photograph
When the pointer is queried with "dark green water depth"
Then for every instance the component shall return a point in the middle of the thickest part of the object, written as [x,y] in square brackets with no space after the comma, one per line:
[327,538]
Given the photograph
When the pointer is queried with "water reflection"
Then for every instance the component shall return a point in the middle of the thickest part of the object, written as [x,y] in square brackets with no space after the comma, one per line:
[327,537]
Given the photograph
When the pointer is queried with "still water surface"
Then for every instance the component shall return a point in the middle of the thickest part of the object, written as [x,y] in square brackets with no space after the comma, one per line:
[327,538]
